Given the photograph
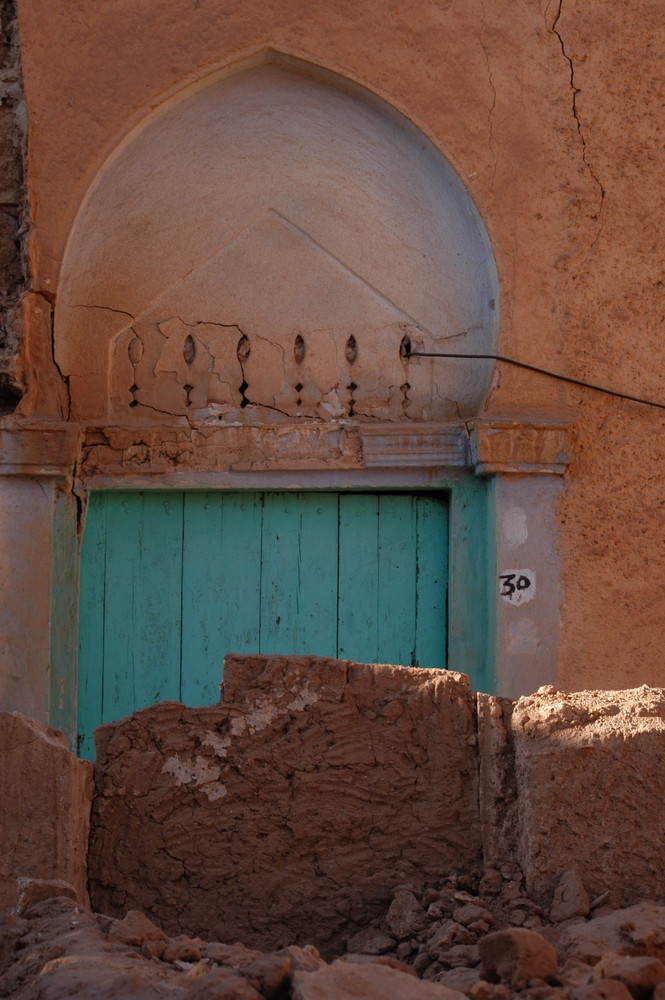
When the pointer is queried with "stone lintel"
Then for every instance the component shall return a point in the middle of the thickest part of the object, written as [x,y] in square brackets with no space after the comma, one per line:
[37,449]
[520,447]
[258,448]
[50,449]
[439,445]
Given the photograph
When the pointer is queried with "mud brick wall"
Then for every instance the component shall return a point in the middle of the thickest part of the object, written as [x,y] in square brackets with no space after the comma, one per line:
[45,796]
[13,205]
[293,807]
[590,783]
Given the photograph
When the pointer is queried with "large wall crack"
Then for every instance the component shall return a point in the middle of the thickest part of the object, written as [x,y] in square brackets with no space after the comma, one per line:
[64,378]
[490,113]
[580,131]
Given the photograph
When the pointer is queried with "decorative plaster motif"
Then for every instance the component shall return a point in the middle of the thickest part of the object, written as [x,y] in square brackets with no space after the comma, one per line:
[259,251]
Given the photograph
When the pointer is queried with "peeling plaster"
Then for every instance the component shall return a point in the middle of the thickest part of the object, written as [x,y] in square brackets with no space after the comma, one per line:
[199,773]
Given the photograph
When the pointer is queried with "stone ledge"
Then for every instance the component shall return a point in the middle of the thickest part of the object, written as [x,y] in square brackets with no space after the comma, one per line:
[50,449]
[522,447]
[29,448]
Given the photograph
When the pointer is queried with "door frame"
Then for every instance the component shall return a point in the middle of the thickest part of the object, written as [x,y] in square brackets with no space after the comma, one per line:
[471,625]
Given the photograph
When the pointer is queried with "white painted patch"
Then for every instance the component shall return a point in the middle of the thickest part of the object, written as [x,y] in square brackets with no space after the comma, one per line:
[219,744]
[517,586]
[198,772]
[514,526]
[263,715]
[522,636]
[303,700]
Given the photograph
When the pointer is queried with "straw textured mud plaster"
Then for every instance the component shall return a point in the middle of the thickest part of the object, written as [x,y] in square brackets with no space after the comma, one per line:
[289,810]
[590,787]
[46,795]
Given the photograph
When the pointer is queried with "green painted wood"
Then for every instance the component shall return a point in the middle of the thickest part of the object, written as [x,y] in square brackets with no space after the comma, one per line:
[158,600]
[470,630]
[397,580]
[317,579]
[142,600]
[280,569]
[65,568]
[431,581]
[299,578]
[171,582]
[204,598]
[358,606]
[124,520]
[91,623]
[298,574]
[240,596]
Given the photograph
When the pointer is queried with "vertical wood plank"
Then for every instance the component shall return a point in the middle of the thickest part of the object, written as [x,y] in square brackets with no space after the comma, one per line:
[397,579]
[472,573]
[280,570]
[204,599]
[157,601]
[431,581]
[316,625]
[239,603]
[143,601]
[358,606]
[91,624]
[65,586]
[124,524]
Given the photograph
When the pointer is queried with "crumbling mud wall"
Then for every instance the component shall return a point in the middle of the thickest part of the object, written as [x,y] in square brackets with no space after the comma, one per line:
[590,789]
[46,794]
[293,808]
[13,205]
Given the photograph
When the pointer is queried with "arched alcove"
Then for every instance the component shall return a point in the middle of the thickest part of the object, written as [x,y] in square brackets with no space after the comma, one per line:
[259,249]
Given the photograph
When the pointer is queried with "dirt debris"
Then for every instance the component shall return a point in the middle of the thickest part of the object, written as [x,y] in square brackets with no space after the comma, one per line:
[442,940]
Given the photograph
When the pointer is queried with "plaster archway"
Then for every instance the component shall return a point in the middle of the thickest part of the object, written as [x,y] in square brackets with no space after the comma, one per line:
[273,204]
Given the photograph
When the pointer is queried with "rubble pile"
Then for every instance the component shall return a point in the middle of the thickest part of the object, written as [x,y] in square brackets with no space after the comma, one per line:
[446,942]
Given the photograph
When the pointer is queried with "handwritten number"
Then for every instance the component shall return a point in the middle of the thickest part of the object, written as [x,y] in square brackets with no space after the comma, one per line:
[508,587]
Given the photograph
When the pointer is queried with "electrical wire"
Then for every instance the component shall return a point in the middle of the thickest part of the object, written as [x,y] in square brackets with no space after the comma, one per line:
[408,353]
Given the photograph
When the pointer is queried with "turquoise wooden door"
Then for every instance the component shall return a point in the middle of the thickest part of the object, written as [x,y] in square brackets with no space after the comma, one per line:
[171,582]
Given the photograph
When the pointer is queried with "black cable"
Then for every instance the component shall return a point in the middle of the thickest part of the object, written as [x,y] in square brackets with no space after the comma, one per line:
[540,371]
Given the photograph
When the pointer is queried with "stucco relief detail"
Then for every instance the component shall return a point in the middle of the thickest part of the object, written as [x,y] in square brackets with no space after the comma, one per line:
[272,326]
[259,250]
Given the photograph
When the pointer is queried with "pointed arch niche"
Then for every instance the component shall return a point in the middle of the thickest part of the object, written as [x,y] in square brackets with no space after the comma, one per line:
[235,301]
[260,250]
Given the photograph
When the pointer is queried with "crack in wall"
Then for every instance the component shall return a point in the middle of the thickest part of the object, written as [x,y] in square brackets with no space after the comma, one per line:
[575,91]
[493,89]
[64,378]
[118,312]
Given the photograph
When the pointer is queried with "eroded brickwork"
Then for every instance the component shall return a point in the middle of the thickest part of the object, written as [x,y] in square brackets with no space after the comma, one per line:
[13,207]
[294,808]
[291,809]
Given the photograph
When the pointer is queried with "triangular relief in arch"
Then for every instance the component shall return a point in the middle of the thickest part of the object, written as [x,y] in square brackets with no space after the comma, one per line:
[270,327]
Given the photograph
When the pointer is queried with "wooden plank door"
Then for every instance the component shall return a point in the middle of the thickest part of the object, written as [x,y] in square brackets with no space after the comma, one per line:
[171,582]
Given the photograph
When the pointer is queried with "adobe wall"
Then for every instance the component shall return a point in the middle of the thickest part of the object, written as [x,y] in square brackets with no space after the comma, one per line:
[551,118]
[292,809]
[13,208]
[46,798]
